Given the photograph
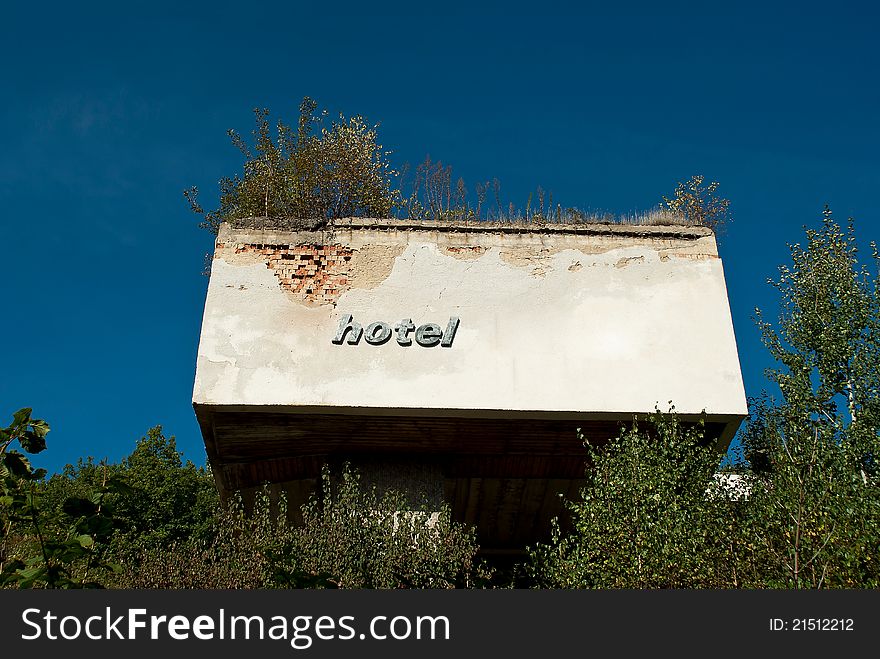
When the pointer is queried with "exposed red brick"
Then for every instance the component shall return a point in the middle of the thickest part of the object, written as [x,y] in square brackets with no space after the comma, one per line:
[317,274]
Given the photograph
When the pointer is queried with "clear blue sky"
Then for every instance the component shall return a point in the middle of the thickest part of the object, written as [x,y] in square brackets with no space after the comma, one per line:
[110,110]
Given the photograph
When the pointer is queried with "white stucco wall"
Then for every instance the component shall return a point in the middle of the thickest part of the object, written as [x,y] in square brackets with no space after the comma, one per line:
[549,323]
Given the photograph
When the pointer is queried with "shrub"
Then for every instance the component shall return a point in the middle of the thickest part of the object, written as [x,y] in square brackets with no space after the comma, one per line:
[314,172]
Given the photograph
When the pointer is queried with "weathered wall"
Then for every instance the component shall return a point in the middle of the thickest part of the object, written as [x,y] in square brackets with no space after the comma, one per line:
[588,319]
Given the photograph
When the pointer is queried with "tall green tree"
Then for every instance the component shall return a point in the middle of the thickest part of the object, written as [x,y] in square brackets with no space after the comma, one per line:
[814,449]
[169,499]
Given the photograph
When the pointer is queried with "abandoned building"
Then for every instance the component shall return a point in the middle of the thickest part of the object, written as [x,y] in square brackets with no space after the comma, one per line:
[457,360]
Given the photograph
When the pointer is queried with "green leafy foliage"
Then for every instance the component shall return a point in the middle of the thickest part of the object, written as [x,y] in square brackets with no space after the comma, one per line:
[698,203]
[300,177]
[169,529]
[647,517]
[47,546]
[369,541]
[169,499]
[349,538]
[248,548]
[816,503]
[312,173]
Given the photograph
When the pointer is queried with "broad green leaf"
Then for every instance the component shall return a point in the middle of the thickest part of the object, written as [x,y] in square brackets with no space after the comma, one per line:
[40,427]
[17,464]
[32,442]
[21,417]
[78,507]
[31,572]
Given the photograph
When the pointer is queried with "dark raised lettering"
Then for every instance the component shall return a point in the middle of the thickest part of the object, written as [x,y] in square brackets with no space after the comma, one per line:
[347,323]
[377,333]
[449,334]
[428,335]
[403,328]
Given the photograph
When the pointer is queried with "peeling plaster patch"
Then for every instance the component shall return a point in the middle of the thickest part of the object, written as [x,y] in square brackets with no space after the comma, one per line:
[703,248]
[237,256]
[372,264]
[695,257]
[539,260]
[629,260]
[524,257]
[465,251]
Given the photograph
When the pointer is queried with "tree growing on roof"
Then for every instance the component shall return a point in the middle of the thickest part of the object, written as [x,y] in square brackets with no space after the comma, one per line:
[313,172]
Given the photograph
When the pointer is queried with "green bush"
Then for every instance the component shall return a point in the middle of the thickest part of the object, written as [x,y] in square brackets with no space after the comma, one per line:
[350,538]
[649,515]
[312,173]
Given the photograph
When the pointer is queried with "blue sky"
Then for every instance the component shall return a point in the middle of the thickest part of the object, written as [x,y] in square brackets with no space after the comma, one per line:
[110,110]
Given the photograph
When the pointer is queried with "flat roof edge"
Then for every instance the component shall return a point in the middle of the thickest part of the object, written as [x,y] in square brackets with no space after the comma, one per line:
[297,225]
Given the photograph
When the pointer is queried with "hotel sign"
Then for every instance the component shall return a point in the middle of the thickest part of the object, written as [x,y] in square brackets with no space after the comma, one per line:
[427,335]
